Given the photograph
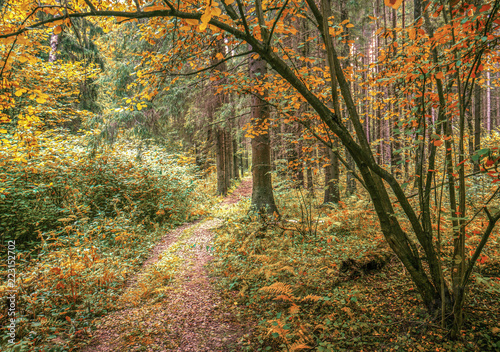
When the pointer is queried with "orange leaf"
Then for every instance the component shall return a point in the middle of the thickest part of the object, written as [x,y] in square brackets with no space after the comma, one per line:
[438,143]
[412,33]
[57,30]
[439,75]
[485,8]
[395,4]
[192,21]
[483,259]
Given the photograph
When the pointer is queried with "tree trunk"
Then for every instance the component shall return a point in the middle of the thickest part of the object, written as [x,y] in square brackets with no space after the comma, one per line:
[228,156]
[488,102]
[417,9]
[236,174]
[220,162]
[332,194]
[262,189]
[477,123]
[54,43]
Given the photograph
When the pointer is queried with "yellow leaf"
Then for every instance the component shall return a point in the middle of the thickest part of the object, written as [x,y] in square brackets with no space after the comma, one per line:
[19,92]
[219,56]
[139,106]
[202,27]
[350,25]
[229,2]
[51,11]
[40,100]
[192,21]
[216,11]
[207,16]
[3,131]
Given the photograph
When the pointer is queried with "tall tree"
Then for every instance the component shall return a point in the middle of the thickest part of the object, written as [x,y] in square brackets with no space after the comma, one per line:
[262,188]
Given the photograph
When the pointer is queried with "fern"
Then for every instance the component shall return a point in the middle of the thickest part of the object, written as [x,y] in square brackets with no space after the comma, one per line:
[278,288]
[313,298]
[299,345]
[294,309]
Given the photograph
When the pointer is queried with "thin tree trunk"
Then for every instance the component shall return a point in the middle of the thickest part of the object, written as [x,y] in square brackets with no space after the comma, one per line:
[236,174]
[488,101]
[220,162]
[228,154]
[477,123]
[332,194]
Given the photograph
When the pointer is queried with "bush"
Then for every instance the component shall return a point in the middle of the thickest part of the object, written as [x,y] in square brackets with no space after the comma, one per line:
[44,193]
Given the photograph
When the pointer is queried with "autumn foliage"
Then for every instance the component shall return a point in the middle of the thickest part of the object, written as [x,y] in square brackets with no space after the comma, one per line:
[393,102]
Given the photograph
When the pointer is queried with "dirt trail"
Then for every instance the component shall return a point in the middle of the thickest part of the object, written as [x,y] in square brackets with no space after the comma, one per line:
[190,318]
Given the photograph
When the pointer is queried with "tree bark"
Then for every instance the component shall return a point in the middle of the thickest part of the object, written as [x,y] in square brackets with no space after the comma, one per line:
[477,123]
[262,188]
[236,174]
[220,162]
[332,193]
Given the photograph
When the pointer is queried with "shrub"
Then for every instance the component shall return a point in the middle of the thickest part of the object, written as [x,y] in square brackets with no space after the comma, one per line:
[39,195]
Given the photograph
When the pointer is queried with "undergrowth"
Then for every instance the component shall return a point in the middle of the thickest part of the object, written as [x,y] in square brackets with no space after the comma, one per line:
[82,226]
[323,279]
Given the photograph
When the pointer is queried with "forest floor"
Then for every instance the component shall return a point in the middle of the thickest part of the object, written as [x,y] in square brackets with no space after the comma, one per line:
[191,316]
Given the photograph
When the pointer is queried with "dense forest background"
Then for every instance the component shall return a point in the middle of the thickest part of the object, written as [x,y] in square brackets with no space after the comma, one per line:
[369,130]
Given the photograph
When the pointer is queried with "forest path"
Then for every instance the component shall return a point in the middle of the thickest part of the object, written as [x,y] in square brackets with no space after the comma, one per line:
[190,317]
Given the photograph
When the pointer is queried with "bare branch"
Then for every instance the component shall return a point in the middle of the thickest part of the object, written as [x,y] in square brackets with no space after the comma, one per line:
[275,22]
[203,69]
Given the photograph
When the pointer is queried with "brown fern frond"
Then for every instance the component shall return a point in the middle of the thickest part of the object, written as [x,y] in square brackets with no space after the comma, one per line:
[294,309]
[299,345]
[283,297]
[313,298]
[278,288]
[269,273]
[287,268]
